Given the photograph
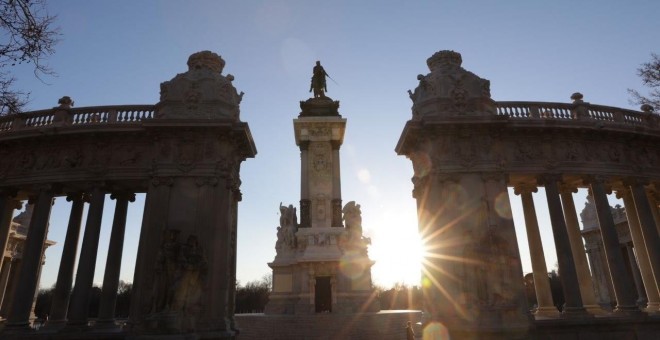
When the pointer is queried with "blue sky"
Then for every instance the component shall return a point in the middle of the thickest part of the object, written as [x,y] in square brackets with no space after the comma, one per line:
[118,52]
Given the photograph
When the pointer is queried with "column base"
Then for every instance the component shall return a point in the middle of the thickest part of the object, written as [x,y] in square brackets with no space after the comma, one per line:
[16,328]
[75,327]
[652,308]
[632,310]
[546,312]
[596,310]
[106,325]
[575,313]
[53,326]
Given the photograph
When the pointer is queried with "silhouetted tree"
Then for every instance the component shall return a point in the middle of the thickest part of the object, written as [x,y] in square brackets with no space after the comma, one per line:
[401,296]
[253,297]
[556,289]
[650,74]
[123,304]
[44,301]
[28,37]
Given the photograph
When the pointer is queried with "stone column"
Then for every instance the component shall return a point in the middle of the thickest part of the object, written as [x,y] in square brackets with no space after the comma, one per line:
[573,306]
[12,282]
[19,315]
[79,305]
[4,279]
[650,285]
[579,254]
[623,287]
[654,200]
[647,226]
[305,202]
[634,269]
[106,318]
[7,206]
[62,290]
[233,244]
[336,186]
[539,269]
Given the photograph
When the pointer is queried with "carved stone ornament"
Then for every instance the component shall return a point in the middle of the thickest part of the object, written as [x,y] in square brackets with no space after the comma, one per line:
[181,271]
[450,90]
[202,92]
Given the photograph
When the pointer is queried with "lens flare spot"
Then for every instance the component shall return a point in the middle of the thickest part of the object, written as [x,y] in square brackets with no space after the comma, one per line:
[435,330]
[456,195]
[426,283]
[352,265]
[421,163]
[364,176]
[502,206]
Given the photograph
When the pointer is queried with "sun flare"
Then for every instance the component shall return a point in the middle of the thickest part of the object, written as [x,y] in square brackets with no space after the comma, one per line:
[398,252]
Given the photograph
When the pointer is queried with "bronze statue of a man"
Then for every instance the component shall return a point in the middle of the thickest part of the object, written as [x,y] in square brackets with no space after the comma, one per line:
[318,81]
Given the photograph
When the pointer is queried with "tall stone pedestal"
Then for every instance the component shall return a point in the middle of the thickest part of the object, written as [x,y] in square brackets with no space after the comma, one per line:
[321,264]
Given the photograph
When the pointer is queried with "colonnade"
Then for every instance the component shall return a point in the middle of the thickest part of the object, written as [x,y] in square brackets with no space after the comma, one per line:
[69,306]
[642,212]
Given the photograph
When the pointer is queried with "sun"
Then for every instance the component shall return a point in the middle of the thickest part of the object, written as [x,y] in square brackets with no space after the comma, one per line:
[397,249]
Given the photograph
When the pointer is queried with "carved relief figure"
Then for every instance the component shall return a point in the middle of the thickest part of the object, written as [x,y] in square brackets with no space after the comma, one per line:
[166,271]
[192,268]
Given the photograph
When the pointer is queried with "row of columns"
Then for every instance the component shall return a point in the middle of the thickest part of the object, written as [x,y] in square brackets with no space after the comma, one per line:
[69,308]
[576,281]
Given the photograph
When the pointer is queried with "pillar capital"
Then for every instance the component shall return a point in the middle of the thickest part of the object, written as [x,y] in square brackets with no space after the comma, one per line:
[125,195]
[304,145]
[525,188]
[598,179]
[73,196]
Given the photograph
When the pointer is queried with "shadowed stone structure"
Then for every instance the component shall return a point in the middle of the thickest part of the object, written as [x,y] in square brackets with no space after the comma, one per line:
[185,154]
[466,150]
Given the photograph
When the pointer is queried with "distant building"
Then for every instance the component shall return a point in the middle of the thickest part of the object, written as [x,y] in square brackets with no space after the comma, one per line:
[597,261]
[13,255]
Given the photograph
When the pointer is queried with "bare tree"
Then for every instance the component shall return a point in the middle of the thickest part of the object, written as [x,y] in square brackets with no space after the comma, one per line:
[28,36]
[650,74]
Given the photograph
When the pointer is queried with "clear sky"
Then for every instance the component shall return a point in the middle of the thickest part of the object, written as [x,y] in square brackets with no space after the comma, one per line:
[118,52]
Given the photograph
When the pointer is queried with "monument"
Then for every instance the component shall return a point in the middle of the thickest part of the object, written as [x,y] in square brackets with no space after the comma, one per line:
[321,264]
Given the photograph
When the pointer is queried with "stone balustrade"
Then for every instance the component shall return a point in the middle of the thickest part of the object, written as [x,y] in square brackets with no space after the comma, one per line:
[92,115]
[578,111]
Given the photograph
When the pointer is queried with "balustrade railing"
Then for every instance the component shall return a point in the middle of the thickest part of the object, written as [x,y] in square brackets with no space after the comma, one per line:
[93,115]
[577,111]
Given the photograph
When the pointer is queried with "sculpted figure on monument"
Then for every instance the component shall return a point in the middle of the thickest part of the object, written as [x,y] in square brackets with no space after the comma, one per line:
[167,264]
[286,232]
[192,273]
[353,219]
[318,84]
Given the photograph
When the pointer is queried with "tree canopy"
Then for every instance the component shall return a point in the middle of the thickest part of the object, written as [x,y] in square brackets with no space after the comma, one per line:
[28,37]
[650,74]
